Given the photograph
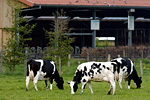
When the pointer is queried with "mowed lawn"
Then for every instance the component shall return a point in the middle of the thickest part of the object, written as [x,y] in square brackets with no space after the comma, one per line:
[12,87]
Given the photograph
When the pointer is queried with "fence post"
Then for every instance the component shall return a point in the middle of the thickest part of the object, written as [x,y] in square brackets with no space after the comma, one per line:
[124,53]
[141,68]
[142,54]
[1,68]
[78,62]
[69,57]
[108,57]
[106,53]
[25,67]
[60,65]
[88,59]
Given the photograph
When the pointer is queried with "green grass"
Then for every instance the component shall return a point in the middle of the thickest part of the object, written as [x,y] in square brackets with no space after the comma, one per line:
[12,87]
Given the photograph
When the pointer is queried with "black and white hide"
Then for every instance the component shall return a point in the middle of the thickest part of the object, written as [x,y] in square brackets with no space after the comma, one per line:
[127,71]
[94,71]
[43,70]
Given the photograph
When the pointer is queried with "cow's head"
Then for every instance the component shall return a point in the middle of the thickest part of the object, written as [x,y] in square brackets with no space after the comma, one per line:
[73,86]
[60,83]
[139,82]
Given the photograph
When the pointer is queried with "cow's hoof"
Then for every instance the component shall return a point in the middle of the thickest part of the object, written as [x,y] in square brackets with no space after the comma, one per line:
[26,89]
[108,93]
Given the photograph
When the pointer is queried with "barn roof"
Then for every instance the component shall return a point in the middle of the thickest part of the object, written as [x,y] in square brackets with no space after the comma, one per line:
[105,3]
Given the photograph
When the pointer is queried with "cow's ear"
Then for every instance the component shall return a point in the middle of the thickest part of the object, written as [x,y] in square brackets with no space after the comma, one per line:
[68,82]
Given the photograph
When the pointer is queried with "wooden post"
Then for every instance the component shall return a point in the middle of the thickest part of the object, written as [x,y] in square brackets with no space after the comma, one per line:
[60,65]
[141,68]
[106,53]
[108,57]
[142,54]
[1,69]
[124,53]
[78,62]
[69,57]
[25,67]
[88,58]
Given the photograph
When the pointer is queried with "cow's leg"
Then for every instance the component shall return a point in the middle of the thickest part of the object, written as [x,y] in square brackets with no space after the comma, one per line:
[83,85]
[135,85]
[51,83]
[120,80]
[109,89]
[112,82]
[113,86]
[90,86]
[46,83]
[27,82]
[129,83]
[35,80]
[125,83]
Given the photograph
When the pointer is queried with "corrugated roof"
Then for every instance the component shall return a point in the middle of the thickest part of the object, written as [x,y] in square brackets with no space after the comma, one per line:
[135,3]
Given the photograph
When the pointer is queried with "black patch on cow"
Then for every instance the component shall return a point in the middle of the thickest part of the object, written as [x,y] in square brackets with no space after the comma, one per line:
[107,68]
[35,66]
[104,66]
[84,80]
[75,87]
[84,71]
[91,73]
[114,67]
[48,68]
[123,69]
[99,70]
[77,77]
[94,66]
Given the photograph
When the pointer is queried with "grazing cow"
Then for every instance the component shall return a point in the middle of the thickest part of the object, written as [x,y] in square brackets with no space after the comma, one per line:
[92,71]
[127,71]
[43,70]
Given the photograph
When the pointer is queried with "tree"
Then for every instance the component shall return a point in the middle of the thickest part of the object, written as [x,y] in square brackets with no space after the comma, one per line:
[59,41]
[13,49]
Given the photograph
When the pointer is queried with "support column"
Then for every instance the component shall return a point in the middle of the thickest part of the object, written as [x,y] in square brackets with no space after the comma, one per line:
[83,42]
[94,31]
[116,39]
[130,26]
[56,26]
[148,38]
[129,38]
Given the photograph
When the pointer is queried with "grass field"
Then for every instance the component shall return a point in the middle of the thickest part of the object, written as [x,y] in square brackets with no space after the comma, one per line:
[12,87]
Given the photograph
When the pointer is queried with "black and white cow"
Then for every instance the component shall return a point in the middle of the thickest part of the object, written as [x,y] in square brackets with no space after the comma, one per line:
[43,70]
[127,71]
[91,71]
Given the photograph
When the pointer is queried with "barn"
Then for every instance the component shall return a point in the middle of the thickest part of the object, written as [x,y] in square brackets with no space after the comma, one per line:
[125,20]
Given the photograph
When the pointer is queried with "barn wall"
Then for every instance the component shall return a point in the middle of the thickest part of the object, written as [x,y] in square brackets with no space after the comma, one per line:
[4,21]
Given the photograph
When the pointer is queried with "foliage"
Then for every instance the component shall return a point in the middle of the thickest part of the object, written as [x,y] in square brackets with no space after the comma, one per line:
[14,46]
[59,41]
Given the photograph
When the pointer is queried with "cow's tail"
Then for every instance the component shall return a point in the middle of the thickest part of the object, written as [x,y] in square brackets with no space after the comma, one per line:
[116,76]
[31,74]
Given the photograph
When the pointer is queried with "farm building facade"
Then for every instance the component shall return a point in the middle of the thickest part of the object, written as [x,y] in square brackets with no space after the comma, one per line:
[128,21]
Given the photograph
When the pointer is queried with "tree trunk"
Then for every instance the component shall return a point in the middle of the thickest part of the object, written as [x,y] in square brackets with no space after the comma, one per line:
[10,68]
[13,67]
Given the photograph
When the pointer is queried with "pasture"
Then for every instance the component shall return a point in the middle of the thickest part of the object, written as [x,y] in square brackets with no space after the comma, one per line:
[12,87]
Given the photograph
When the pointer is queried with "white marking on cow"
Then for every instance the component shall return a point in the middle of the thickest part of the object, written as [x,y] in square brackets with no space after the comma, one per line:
[131,67]
[54,66]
